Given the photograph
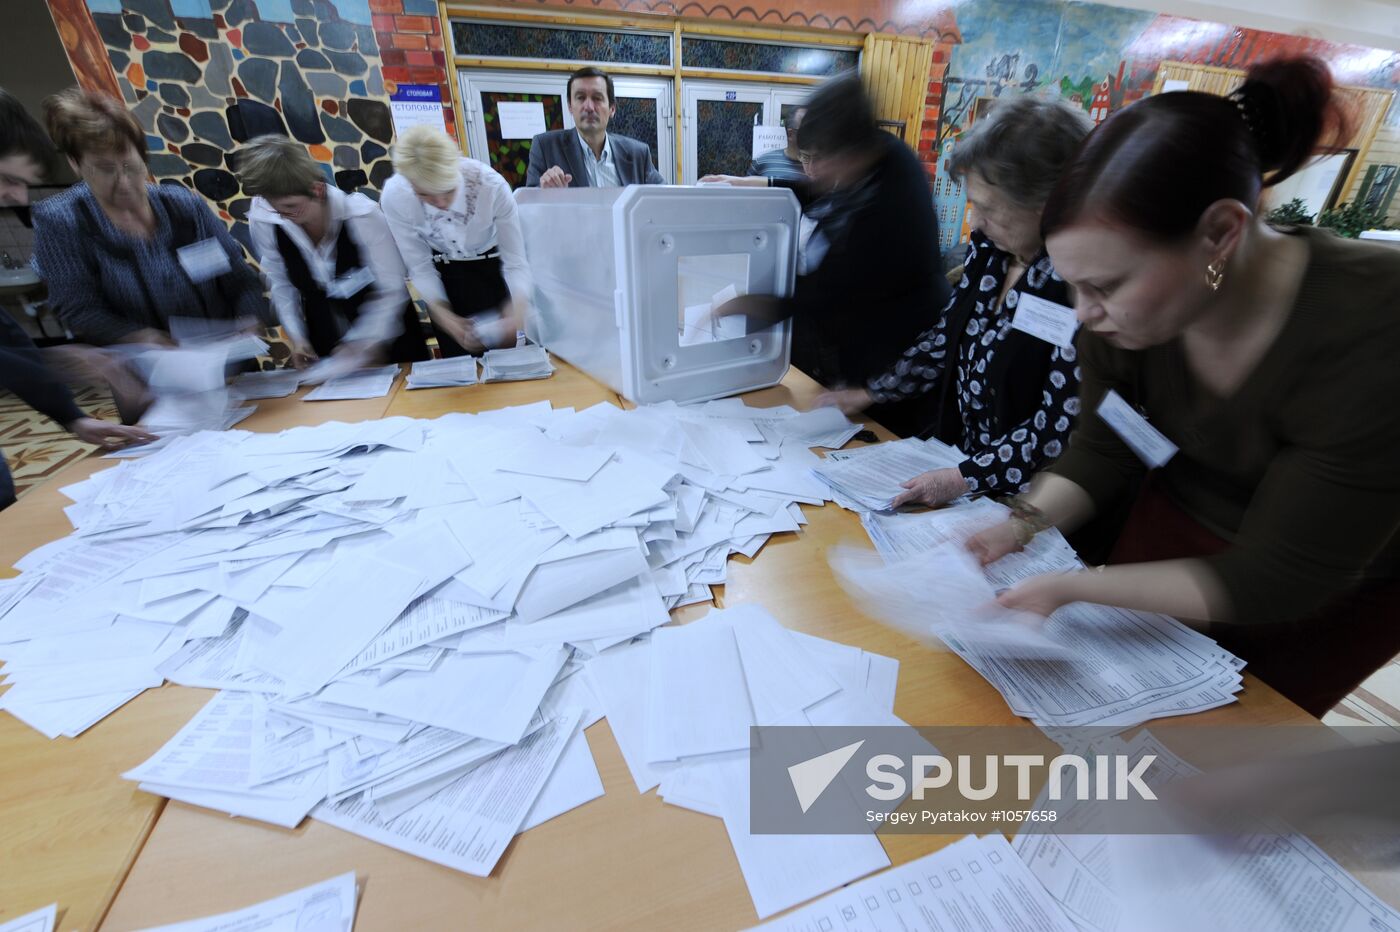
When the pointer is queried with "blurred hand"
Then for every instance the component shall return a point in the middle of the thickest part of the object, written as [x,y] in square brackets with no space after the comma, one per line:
[742,181]
[363,352]
[462,331]
[1041,595]
[850,401]
[555,177]
[762,310]
[149,335]
[303,356]
[933,488]
[109,436]
[991,544]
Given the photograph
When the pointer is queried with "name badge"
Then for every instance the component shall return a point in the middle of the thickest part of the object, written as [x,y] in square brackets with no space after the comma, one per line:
[351,283]
[1045,320]
[203,260]
[1149,443]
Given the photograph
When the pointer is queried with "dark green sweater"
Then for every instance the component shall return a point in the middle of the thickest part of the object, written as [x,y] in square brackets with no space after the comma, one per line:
[1300,468]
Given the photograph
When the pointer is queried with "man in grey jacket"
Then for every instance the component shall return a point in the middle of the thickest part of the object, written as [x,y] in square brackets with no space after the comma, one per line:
[588,156]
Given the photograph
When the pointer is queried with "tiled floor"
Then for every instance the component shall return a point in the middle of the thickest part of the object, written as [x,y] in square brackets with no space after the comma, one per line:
[37,448]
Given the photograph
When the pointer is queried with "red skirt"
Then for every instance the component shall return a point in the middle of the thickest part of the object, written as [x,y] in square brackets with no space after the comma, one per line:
[1315,661]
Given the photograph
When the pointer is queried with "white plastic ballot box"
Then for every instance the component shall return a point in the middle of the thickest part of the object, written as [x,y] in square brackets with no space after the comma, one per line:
[626,279]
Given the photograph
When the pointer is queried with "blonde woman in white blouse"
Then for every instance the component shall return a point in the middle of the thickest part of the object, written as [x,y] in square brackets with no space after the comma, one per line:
[455,223]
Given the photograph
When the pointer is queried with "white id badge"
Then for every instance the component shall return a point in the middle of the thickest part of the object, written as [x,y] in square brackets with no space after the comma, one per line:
[1046,320]
[203,260]
[1149,443]
[351,283]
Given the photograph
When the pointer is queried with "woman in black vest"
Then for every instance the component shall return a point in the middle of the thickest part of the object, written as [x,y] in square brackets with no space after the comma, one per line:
[1001,357]
[335,275]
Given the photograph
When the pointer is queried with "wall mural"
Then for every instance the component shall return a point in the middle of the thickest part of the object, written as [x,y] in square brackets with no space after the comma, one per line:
[1102,59]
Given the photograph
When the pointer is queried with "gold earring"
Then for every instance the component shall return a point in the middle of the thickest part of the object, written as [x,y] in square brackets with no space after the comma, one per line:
[1215,274]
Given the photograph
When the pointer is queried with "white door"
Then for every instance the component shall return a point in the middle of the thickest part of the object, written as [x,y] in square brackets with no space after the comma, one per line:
[718,120]
[643,112]
[717,127]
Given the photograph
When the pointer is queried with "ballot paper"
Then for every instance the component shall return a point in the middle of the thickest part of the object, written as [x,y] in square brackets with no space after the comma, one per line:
[267,383]
[943,594]
[1269,880]
[41,920]
[700,323]
[873,477]
[900,536]
[974,884]
[517,363]
[467,825]
[328,906]
[443,373]
[367,383]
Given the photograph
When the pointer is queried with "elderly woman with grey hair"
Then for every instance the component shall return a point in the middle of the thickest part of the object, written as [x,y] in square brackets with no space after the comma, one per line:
[1001,356]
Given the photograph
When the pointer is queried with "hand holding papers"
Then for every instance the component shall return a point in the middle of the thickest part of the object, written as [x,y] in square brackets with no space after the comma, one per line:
[1106,653]
[942,594]
[701,324]
[874,476]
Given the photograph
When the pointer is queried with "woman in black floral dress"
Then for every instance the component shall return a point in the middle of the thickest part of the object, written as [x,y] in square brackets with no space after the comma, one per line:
[1007,398]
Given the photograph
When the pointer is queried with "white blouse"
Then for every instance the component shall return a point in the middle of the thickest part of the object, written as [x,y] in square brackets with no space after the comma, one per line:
[482,217]
[380,317]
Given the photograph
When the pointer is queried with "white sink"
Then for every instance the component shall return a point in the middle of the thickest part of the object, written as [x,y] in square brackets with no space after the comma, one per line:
[16,278]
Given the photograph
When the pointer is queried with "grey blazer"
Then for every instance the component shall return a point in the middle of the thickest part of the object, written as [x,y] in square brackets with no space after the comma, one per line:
[562,147]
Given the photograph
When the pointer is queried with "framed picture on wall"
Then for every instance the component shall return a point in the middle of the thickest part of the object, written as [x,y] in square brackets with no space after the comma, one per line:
[1318,184]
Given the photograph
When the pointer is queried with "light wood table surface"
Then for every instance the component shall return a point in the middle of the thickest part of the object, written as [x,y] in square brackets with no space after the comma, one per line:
[622,861]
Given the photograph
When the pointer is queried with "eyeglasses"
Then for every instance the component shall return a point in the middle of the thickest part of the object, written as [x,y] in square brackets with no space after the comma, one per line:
[110,170]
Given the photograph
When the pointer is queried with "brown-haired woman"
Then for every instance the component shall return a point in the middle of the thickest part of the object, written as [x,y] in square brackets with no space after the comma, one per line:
[121,256]
[1248,372]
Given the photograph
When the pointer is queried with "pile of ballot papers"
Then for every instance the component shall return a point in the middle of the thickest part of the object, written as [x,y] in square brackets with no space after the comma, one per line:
[443,373]
[1260,881]
[402,615]
[871,478]
[359,383]
[267,383]
[516,364]
[1084,665]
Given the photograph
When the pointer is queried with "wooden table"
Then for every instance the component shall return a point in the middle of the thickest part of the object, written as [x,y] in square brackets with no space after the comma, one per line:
[622,861]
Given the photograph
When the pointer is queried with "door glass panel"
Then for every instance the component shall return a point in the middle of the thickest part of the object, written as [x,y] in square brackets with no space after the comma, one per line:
[637,117]
[724,136]
[511,157]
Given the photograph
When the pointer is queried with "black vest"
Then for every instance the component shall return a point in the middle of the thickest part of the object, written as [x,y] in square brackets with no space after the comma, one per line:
[328,319]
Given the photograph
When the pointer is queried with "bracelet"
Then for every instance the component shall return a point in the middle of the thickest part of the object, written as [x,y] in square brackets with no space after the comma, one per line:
[1028,519]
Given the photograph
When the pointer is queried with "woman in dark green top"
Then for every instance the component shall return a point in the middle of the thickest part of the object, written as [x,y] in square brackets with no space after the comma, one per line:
[1266,356]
